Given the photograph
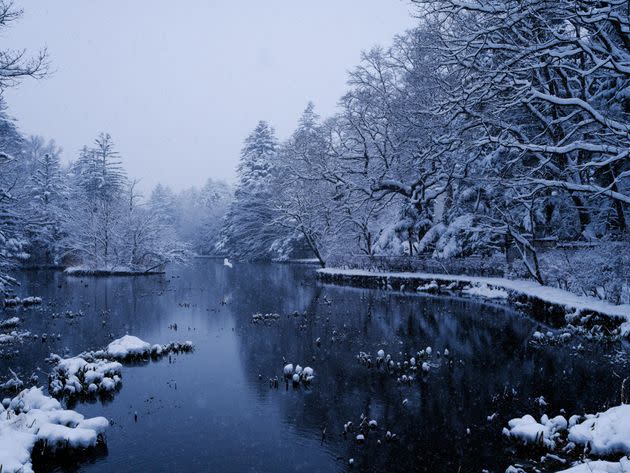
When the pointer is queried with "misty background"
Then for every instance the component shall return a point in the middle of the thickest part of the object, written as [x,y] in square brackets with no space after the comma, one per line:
[178,87]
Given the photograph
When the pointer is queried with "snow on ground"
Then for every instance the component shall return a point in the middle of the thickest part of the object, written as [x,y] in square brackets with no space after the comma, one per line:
[31,418]
[599,466]
[548,294]
[105,271]
[483,290]
[604,434]
[545,432]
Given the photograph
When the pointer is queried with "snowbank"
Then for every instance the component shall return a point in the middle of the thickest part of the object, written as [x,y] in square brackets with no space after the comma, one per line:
[599,466]
[483,290]
[32,418]
[130,347]
[120,271]
[606,433]
[528,431]
[571,302]
[602,435]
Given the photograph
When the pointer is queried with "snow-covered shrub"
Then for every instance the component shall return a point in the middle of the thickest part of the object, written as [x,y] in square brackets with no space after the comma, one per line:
[463,237]
[600,271]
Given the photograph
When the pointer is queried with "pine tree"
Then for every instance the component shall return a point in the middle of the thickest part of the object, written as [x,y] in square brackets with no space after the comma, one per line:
[47,198]
[248,231]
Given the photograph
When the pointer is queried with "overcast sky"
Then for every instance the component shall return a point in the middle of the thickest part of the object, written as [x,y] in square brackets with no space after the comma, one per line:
[180,84]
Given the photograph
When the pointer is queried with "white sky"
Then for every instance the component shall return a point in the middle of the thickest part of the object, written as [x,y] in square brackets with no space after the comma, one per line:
[179,84]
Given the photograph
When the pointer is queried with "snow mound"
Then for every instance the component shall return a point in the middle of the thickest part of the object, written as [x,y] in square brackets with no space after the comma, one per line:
[97,372]
[528,431]
[622,466]
[602,435]
[32,418]
[484,290]
[298,374]
[606,433]
[11,322]
[73,376]
[128,347]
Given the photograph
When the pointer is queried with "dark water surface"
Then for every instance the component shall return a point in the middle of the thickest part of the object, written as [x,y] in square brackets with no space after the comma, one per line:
[209,411]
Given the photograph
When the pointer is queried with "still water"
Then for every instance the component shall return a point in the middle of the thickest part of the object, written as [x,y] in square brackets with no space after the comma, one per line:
[213,410]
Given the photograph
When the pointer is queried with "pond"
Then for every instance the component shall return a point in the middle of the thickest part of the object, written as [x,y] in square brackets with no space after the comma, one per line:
[214,409]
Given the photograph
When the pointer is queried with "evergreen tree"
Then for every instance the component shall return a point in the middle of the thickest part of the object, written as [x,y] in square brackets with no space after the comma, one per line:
[249,231]
[47,198]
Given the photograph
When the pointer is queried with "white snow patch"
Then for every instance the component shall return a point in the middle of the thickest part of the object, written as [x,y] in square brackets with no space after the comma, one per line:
[530,288]
[76,375]
[32,417]
[128,346]
[599,466]
[12,322]
[529,431]
[483,290]
[607,433]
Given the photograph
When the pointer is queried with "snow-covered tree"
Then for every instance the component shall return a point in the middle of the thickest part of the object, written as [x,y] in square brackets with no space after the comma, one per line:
[98,183]
[305,200]
[47,200]
[146,242]
[544,86]
[14,66]
[248,231]
[110,227]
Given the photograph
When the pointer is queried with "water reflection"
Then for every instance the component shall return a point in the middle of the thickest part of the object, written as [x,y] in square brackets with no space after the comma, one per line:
[211,411]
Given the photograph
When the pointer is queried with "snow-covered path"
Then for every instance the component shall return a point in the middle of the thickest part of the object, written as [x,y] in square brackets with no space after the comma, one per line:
[552,295]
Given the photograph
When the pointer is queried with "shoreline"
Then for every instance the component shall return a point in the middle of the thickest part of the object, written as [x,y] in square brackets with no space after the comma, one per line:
[106,273]
[545,303]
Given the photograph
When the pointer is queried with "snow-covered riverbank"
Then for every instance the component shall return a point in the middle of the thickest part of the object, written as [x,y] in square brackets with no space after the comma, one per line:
[84,271]
[31,419]
[516,291]
[606,434]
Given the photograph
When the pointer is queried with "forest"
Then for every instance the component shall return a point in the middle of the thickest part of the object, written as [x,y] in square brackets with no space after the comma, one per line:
[489,130]
[433,275]
[493,129]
